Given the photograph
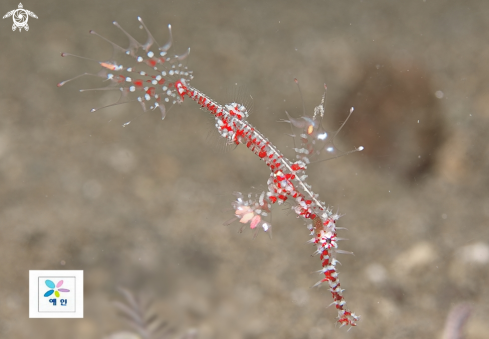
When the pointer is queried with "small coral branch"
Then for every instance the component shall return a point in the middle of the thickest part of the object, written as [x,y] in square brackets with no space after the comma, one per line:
[456,320]
[144,321]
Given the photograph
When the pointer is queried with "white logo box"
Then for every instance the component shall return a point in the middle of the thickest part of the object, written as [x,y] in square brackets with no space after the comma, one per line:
[55,294]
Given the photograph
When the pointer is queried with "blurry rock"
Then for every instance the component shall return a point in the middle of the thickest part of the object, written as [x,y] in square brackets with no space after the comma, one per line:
[398,118]
[376,273]
[475,253]
[123,335]
[419,255]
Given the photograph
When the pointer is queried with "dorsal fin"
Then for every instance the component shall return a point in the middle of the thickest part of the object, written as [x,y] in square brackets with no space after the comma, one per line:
[236,94]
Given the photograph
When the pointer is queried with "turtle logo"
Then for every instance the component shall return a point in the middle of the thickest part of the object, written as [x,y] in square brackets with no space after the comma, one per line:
[20,16]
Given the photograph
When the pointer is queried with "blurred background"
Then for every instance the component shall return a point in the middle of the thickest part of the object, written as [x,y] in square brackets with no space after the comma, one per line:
[142,206]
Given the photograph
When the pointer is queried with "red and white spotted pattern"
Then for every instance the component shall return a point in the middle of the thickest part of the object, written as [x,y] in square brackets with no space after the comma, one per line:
[157,79]
[286,182]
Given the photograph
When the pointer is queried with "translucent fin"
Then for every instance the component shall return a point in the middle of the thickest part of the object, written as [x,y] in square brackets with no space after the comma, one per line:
[150,40]
[241,94]
[76,77]
[99,108]
[230,221]
[313,140]
[167,46]
[343,252]
[116,47]
[238,94]
[184,55]
[216,142]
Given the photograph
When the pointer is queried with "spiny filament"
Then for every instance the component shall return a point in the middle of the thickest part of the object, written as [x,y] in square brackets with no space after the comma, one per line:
[140,69]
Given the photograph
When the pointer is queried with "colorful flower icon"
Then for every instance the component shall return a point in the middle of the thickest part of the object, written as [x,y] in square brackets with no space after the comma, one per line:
[52,286]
